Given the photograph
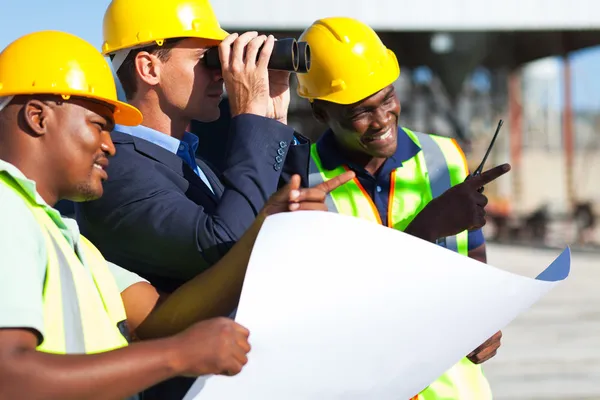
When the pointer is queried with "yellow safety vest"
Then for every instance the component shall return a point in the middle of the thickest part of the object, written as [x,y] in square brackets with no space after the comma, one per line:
[439,166]
[83,311]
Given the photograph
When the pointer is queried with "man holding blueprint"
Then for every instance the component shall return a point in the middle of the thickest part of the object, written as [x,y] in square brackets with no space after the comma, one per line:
[405,180]
[390,313]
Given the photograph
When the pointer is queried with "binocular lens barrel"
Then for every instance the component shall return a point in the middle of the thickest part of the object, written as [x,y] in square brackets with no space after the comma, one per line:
[304,58]
[288,55]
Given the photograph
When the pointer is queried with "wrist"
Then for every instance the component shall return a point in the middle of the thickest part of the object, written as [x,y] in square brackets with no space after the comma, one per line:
[175,359]
[260,219]
[247,109]
[421,233]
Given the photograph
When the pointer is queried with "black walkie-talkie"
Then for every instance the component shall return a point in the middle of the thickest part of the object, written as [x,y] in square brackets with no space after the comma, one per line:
[479,169]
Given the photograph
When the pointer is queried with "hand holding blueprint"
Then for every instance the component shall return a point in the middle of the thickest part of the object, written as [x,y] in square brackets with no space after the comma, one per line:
[341,308]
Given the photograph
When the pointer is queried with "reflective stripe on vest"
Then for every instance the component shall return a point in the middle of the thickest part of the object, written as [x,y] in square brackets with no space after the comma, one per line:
[72,325]
[82,306]
[439,177]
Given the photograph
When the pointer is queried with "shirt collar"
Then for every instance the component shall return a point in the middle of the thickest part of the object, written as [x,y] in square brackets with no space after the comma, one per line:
[30,189]
[28,186]
[331,157]
[167,142]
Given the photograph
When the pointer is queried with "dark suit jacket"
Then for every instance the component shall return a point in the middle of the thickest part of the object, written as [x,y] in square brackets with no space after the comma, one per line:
[158,218]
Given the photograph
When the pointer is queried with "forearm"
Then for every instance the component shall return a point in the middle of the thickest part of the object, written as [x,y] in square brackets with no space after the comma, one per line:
[213,293]
[33,375]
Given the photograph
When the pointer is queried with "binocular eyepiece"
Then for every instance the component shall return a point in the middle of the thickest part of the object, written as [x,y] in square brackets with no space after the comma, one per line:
[288,55]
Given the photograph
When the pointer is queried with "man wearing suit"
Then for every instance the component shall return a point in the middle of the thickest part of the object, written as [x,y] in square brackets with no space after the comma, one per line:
[167,215]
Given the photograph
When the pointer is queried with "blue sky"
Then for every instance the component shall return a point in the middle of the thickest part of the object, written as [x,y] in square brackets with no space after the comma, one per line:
[84,18]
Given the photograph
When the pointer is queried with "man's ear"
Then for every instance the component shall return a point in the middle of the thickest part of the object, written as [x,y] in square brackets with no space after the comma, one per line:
[319,112]
[35,114]
[147,67]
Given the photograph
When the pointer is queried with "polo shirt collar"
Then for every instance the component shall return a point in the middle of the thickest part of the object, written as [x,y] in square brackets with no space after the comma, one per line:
[28,186]
[332,158]
[68,226]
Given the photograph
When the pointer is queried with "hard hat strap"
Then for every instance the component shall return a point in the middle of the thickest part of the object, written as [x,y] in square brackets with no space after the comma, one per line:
[4,101]
[119,58]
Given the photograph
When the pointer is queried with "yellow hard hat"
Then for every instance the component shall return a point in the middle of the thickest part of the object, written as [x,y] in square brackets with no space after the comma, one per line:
[348,62]
[133,23]
[52,62]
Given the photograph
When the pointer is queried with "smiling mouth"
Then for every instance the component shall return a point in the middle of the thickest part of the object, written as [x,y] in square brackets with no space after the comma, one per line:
[381,136]
[101,166]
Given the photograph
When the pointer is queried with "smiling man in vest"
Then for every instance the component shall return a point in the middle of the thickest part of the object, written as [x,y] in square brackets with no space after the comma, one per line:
[66,314]
[405,180]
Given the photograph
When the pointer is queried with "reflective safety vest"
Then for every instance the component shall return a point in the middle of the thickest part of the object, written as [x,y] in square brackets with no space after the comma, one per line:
[83,309]
[439,166]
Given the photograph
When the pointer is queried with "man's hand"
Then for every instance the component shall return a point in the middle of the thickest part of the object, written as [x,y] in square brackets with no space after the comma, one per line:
[216,346]
[487,350]
[460,208]
[246,77]
[293,198]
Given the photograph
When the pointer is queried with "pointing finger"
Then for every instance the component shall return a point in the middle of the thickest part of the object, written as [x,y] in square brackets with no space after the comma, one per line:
[490,175]
[336,182]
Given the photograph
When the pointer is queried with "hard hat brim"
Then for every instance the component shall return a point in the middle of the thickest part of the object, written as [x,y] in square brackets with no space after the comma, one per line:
[217,35]
[125,114]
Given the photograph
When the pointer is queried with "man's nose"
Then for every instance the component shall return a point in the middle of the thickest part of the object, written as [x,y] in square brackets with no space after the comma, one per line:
[217,75]
[382,119]
[107,145]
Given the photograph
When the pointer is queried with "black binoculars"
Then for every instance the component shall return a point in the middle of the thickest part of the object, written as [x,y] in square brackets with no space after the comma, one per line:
[288,55]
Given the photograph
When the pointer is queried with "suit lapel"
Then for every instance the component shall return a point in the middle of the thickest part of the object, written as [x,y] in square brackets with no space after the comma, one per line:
[165,157]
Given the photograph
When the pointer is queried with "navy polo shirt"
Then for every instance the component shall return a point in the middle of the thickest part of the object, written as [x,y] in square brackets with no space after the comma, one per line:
[378,187]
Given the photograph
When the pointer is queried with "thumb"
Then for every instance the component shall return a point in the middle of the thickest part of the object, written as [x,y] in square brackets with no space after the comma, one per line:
[287,193]
[294,188]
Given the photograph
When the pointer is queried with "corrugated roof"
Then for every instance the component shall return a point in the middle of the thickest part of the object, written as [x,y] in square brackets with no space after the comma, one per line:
[415,15]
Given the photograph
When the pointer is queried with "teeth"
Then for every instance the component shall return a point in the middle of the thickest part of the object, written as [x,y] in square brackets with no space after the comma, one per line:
[98,166]
[386,135]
